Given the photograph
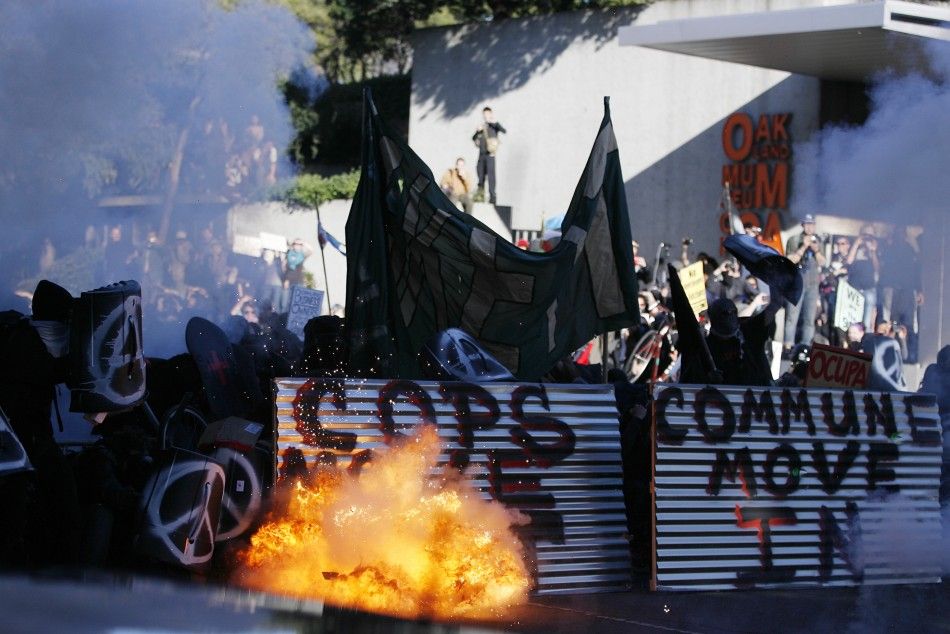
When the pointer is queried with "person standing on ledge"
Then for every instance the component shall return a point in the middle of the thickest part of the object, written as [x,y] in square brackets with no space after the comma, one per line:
[486,140]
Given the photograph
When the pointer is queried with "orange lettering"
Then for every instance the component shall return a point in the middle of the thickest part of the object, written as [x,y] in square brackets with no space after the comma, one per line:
[744,123]
[762,130]
[778,126]
[772,233]
[730,174]
[771,191]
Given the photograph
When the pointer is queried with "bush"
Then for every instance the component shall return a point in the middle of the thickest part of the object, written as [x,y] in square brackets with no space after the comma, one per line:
[329,130]
[312,190]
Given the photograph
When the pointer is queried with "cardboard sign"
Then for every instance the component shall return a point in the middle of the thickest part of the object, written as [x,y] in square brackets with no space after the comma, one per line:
[849,306]
[691,277]
[274,242]
[246,245]
[305,304]
[552,452]
[782,488]
[837,367]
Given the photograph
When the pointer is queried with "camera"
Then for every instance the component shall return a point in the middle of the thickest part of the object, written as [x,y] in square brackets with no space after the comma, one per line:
[687,241]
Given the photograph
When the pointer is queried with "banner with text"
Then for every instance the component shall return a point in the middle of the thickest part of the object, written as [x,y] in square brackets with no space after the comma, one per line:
[849,306]
[771,487]
[550,451]
[837,367]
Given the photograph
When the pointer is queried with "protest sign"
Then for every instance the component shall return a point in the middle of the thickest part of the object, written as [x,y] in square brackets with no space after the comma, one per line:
[551,452]
[849,306]
[691,277]
[305,304]
[771,487]
[273,241]
[837,367]
[247,245]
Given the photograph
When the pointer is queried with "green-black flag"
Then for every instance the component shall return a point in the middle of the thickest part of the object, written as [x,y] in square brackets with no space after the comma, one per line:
[416,265]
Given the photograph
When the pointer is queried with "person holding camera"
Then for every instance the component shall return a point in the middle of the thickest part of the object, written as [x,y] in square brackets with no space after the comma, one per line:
[805,249]
[864,269]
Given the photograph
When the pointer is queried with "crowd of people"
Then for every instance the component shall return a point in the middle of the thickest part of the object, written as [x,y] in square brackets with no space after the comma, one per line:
[884,269]
[188,276]
[235,164]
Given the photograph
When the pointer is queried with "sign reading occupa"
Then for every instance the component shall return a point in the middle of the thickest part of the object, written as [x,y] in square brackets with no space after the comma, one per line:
[837,367]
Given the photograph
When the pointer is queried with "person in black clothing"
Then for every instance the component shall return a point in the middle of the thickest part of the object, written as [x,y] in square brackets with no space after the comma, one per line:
[33,361]
[737,345]
[902,286]
[486,140]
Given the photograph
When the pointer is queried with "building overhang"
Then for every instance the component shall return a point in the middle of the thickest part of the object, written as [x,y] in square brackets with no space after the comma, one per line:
[850,42]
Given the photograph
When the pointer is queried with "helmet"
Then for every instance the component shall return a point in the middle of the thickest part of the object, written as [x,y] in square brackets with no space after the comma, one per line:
[800,354]
[454,355]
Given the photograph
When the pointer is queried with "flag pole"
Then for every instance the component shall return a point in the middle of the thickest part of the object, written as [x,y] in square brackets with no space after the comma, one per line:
[323,258]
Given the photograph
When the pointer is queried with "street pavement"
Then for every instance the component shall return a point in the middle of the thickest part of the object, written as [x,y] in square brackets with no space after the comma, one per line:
[134,605]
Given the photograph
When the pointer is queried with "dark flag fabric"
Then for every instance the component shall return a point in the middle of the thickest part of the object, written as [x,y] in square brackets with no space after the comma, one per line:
[696,364]
[416,265]
[781,274]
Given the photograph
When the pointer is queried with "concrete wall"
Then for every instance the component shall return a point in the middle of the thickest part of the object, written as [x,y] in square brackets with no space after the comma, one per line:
[545,78]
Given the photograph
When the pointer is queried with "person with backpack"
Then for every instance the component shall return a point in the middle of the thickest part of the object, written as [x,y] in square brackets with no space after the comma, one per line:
[486,140]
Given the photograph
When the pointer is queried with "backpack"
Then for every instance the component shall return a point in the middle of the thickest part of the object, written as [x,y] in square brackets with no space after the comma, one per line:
[491,142]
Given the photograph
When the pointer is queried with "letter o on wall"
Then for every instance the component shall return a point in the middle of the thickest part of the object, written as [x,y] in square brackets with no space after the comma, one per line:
[744,123]
[788,453]
[711,396]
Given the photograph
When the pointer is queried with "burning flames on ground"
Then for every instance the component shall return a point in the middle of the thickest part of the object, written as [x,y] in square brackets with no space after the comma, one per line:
[391,540]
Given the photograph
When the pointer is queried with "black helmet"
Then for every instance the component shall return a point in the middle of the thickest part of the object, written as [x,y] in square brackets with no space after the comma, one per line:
[800,354]
[454,355]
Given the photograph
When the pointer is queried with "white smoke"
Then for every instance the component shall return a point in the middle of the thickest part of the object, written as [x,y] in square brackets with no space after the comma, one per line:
[893,166]
[95,95]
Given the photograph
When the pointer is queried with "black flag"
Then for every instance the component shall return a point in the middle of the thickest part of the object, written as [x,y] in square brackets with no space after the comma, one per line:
[416,265]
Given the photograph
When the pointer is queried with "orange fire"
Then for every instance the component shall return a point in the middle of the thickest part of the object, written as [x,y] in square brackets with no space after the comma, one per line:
[391,540]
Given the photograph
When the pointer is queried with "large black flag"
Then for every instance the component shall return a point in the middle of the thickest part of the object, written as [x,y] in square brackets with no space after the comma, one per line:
[417,265]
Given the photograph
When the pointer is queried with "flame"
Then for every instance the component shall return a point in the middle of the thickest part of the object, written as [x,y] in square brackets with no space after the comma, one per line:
[392,541]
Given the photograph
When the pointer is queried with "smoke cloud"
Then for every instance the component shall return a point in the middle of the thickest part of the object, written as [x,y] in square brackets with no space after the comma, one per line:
[893,166]
[94,96]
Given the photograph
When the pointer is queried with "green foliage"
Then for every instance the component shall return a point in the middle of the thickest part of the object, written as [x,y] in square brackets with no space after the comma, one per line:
[340,112]
[75,271]
[357,40]
[312,190]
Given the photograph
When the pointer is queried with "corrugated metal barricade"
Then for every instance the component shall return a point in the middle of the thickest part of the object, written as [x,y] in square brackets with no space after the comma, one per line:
[549,451]
[772,487]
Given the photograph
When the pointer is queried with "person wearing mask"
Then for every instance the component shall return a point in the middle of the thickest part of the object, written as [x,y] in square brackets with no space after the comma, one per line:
[807,251]
[34,361]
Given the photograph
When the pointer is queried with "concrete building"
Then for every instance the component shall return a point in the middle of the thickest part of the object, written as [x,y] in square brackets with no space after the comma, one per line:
[688,88]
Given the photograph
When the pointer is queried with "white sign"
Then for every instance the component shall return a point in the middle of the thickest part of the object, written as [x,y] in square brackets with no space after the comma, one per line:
[849,306]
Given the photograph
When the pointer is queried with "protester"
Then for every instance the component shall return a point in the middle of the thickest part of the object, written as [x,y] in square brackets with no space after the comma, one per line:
[806,250]
[863,270]
[456,183]
[487,141]
[32,362]
[902,287]
[294,276]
